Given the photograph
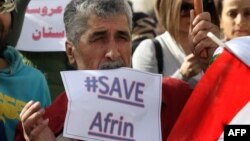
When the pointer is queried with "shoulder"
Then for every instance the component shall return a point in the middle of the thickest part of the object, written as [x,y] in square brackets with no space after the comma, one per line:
[173,88]
[148,44]
[31,71]
[175,85]
[145,44]
[144,49]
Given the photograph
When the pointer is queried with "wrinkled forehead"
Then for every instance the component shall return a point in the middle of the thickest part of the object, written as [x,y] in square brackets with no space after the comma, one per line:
[7,6]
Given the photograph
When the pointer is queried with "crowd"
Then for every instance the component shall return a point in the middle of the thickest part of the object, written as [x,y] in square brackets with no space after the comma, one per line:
[169,39]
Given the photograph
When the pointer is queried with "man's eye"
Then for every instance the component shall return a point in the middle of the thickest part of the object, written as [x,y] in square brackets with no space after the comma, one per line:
[96,39]
[124,38]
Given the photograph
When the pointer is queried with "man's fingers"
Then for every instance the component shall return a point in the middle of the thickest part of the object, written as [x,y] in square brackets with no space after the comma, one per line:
[27,106]
[203,16]
[191,20]
[201,35]
[33,120]
[205,44]
[202,26]
[36,131]
[30,110]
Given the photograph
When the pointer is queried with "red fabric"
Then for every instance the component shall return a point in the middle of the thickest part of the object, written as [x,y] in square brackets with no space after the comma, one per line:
[218,97]
[174,95]
[57,113]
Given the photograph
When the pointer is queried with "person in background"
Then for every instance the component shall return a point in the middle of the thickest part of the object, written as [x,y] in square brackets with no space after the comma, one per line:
[19,83]
[234,18]
[18,14]
[178,60]
[145,25]
[98,37]
[210,108]
[49,63]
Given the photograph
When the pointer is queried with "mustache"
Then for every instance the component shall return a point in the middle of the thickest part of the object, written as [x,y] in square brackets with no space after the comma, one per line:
[111,65]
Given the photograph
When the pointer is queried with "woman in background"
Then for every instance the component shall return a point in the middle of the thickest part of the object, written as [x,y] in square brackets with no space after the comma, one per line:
[178,60]
[234,18]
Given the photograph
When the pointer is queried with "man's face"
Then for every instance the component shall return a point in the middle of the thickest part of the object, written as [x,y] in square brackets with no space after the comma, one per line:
[5,22]
[106,44]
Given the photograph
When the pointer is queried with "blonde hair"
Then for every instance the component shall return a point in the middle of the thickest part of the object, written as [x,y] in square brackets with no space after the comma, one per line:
[168,14]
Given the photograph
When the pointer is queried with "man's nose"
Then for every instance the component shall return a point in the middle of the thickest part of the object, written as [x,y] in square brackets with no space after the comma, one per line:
[113,52]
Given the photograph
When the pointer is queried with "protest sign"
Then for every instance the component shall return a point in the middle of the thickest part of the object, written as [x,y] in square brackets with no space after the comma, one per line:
[43,27]
[120,104]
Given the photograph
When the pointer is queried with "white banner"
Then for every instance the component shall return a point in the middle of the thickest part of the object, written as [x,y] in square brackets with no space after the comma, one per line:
[113,105]
[43,28]
[240,48]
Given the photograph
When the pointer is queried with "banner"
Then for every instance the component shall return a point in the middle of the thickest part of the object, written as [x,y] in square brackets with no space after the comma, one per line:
[113,105]
[43,27]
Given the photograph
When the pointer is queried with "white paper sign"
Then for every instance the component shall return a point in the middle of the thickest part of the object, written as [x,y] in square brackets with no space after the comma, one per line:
[113,105]
[43,27]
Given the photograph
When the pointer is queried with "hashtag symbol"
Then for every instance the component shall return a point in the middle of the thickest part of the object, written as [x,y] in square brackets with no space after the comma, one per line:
[91,84]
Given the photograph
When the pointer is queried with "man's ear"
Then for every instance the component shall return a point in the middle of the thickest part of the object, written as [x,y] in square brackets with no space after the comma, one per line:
[70,52]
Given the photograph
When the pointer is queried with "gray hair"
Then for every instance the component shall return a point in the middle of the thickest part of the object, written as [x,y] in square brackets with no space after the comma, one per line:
[77,13]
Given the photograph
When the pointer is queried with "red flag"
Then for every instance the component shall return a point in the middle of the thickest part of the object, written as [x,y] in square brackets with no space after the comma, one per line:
[222,92]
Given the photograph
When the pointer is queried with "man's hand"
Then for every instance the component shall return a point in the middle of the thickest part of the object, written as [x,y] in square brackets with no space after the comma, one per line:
[35,128]
[200,26]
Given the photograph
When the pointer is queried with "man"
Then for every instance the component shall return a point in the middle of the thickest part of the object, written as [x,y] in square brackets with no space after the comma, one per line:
[18,82]
[201,101]
[98,37]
